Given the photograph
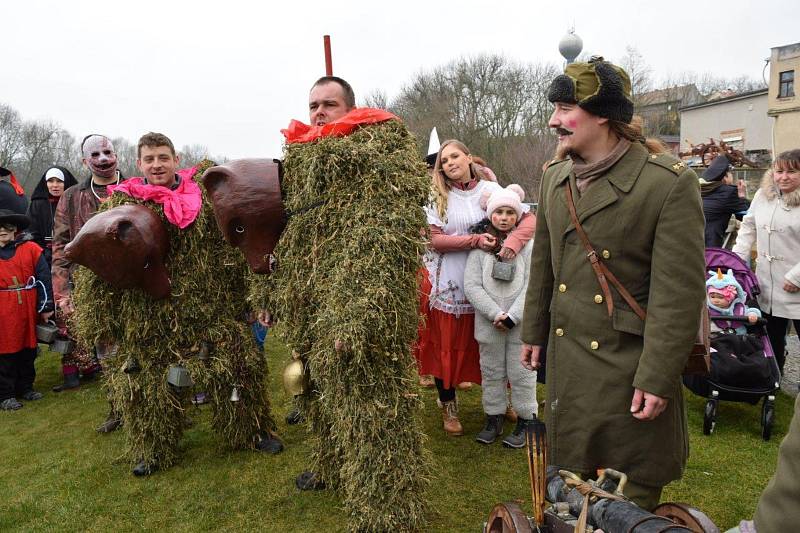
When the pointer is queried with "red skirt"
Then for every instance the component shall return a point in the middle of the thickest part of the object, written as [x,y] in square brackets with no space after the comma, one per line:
[446,347]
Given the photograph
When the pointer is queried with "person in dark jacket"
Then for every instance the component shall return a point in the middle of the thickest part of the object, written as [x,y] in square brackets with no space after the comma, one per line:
[720,199]
[42,208]
[12,195]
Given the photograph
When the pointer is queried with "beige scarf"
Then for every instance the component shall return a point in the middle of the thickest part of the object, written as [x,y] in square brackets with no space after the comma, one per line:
[586,174]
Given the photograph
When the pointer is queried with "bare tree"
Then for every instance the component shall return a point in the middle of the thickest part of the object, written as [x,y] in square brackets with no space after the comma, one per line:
[10,135]
[376,99]
[496,107]
[638,71]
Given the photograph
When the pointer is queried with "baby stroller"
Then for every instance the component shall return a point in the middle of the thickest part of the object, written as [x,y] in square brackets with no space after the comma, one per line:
[758,377]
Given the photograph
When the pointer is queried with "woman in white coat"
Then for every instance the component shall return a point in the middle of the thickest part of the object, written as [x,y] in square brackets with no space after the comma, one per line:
[773,225]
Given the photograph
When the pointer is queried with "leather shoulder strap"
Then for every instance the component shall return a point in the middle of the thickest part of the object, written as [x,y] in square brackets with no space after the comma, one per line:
[601,271]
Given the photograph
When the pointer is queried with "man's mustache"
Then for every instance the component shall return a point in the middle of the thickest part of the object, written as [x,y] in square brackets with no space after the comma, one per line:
[562,131]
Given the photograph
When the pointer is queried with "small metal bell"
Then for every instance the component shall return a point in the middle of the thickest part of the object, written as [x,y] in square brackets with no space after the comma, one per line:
[235,395]
[205,351]
[132,366]
[178,376]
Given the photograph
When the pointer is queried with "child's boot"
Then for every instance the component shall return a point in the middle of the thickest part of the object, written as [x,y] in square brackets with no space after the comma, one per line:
[10,404]
[71,380]
[451,424]
[492,429]
[516,439]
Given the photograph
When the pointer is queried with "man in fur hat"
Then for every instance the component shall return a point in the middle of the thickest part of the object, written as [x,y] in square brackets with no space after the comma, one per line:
[614,394]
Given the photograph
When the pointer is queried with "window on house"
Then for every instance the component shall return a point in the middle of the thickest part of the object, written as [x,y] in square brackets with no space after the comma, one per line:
[786,87]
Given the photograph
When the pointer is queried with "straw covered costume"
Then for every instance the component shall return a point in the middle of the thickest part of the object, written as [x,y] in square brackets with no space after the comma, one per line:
[199,326]
[345,291]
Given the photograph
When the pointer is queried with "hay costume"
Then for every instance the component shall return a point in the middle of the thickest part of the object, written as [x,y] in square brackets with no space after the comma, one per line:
[25,291]
[199,326]
[346,277]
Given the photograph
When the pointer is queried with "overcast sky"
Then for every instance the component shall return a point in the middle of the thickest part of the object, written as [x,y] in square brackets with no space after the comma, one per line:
[229,74]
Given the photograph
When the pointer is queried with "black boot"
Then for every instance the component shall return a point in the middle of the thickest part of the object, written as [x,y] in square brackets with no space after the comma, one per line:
[295,416]
[143,469]
[492,429]
[71,381]
[269,443]
[309,481]
[516,439]
[112,423]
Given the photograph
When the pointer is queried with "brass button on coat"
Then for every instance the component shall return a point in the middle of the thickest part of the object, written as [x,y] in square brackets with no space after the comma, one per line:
[562,288]
[606,254]
[598,299]
[559,332]
[594,345]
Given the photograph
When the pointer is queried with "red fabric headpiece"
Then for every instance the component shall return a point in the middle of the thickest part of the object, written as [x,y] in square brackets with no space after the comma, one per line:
[298,132]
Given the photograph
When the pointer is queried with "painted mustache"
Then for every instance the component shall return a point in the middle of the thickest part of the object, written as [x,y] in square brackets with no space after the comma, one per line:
[562,131]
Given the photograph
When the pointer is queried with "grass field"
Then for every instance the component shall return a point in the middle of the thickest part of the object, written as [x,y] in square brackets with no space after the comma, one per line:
[56,473]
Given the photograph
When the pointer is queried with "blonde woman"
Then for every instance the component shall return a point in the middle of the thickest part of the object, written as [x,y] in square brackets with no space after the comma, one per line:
[447,348]
[773,225]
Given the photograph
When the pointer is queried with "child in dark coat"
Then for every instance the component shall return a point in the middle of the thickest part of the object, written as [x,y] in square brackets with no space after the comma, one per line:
[25,299]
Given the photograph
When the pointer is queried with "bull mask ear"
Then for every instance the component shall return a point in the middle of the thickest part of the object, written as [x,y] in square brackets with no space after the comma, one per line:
[215,177]
[121,229]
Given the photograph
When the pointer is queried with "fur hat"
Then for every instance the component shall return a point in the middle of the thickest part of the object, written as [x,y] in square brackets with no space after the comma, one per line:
[599,87]
[511,196]
[10,217]
[717,169]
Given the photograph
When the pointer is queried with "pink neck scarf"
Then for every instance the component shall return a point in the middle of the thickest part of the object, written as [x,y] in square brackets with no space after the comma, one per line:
[181,206]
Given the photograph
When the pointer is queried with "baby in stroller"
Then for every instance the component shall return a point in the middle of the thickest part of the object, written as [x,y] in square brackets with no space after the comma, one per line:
[727,298]
[737,356]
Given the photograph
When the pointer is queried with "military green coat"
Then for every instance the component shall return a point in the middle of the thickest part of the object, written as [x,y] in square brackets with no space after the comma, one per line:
[645,217]
[779,506]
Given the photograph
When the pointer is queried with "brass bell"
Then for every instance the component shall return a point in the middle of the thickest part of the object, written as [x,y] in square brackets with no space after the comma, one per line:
[235,397]
[132,366]
[204,354]
[294,378]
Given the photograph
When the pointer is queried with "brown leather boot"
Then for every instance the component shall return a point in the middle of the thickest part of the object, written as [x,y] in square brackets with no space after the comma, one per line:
[451,425]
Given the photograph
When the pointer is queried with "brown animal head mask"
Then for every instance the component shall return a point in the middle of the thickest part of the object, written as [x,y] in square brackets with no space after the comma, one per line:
[125,246]
[246,197]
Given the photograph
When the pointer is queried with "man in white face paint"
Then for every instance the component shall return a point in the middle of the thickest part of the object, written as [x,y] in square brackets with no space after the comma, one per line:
[77,205]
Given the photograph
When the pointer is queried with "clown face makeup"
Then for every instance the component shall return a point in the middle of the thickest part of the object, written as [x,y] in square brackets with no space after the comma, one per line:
[99,156]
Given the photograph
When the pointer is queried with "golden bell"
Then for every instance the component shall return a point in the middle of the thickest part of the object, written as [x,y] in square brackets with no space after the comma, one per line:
[294,378]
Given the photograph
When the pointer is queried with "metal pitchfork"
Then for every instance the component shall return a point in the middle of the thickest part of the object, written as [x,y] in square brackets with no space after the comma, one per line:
[536,447]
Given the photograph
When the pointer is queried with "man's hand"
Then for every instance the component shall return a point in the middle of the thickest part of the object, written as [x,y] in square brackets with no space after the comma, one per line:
[741,189]
[47,315]
[507,253]
[788,286]
[646,406]
[529,357]
[65,306]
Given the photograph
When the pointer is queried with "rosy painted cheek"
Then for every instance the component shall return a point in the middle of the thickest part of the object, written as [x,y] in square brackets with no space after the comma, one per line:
[572,123]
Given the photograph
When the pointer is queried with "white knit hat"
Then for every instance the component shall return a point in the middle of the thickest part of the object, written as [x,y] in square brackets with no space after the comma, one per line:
[54,173]
[511,196]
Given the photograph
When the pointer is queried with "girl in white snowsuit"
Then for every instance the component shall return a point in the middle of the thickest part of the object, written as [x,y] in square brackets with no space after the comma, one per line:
[497,292]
